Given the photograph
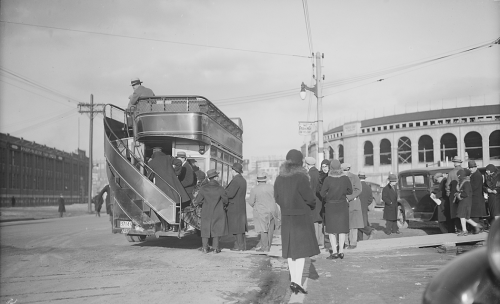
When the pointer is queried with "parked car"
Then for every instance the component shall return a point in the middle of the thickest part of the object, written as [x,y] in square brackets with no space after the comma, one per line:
[473,277]
[414,189]
[377,193]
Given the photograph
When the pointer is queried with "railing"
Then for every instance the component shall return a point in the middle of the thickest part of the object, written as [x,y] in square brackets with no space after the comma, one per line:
[181,104]
[121,147]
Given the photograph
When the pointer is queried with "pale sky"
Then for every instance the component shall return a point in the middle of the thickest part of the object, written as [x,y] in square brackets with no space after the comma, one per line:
[77,48]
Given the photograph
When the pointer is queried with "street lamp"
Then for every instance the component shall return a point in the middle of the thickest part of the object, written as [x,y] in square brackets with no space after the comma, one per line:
[317,90]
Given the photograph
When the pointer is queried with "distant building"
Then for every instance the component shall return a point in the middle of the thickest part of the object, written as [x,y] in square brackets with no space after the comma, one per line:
[37,175]
[394,143]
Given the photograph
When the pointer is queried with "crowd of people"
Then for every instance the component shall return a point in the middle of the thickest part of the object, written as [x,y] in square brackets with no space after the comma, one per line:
[461,198]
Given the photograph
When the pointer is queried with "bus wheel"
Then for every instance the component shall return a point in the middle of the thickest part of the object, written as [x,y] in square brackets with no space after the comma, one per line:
[130,238]
[402,223]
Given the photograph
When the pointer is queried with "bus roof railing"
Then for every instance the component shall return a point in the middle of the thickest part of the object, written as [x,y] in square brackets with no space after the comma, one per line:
[187,103]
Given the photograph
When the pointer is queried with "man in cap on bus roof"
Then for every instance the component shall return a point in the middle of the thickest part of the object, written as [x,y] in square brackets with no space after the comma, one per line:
[139,91]
[237,209]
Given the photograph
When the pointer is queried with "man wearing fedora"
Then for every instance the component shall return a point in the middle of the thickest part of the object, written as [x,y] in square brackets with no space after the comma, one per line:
[187,176]
[355,213]
[265,211]
[366,198]
[139,91]
[390,199]
[213,200]
[451,188]
[236,210]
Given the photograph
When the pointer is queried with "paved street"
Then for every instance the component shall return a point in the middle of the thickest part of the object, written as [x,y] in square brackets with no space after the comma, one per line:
[76,259]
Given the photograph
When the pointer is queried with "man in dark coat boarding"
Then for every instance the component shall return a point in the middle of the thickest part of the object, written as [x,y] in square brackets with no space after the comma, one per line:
[237,208]
[212,199]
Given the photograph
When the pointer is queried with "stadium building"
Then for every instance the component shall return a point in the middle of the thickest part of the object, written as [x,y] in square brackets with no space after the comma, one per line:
[399,142]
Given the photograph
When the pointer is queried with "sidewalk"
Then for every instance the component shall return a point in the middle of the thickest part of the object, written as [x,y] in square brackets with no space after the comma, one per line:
[11,214]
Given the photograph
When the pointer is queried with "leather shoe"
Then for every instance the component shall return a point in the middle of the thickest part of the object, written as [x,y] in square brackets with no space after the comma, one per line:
[217,250]
[341,256]
[205,250]
[333,256]
[372,234]
[298,288]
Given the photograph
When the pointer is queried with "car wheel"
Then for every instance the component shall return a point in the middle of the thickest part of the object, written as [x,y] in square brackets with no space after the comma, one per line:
[402,223]
[136,238]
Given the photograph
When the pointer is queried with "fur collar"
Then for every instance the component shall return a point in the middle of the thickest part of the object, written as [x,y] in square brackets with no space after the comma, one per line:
[288,169]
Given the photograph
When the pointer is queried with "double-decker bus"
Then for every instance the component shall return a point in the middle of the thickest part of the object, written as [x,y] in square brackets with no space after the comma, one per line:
[191,124]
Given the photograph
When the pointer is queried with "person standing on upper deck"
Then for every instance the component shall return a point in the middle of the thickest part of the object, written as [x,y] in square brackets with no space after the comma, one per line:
[139,91]
[237,209]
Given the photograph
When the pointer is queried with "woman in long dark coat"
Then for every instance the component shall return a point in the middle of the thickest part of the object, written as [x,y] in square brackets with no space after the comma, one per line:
[334,191]
[294,195]
[213,200]
[62,207]
[464,198]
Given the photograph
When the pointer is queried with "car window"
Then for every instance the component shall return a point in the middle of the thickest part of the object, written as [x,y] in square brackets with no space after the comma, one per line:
[407,181]
[421,181]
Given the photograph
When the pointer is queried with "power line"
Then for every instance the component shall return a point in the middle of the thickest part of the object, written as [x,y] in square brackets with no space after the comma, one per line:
[155,40]
[376,74]
[37,85]
[47,121]
[33,93]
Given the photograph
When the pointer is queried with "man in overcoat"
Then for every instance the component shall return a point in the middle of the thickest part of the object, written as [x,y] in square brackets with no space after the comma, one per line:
[390,199]
[265,212]
[164,175]
[366,198]
[315,213]
[62,207]
[451,188]
[237,208]
[478,208]
[139,91]
[187,176]
[355,213]
[492,188]
[109,205]
[212,198]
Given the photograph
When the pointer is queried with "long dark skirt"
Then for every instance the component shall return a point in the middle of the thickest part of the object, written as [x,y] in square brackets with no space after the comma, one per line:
[337,217]
[464,208]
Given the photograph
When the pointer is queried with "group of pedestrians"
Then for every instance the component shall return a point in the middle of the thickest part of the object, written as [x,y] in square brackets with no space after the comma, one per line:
[460,198]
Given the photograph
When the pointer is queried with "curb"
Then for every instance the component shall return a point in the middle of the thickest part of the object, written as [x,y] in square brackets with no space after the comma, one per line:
[19,219]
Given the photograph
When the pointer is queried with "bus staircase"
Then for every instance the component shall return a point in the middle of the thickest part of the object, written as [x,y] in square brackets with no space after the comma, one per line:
[149,208]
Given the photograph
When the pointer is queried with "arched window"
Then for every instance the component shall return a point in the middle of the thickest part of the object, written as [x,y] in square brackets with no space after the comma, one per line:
[425,149]
[448,146]
[495,145]
[341,153]
[474,145]
[404,150]
[368,153]
[385,152]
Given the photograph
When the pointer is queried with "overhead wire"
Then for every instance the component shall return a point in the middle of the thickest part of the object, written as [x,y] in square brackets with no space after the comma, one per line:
[37,85]
[151,39]
[371,75]
[60,102]
[47,121]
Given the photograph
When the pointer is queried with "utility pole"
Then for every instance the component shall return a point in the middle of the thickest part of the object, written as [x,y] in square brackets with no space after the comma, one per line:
[91,109]
[318,92]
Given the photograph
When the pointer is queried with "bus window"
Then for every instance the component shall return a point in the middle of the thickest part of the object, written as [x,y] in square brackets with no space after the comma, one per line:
[213,151]
[212,164]
[226,174]
[221,173]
